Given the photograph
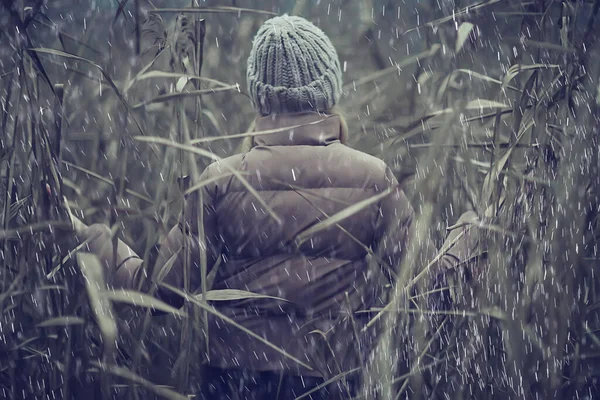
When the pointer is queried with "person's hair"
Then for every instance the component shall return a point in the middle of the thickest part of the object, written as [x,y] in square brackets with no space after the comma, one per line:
[344,133]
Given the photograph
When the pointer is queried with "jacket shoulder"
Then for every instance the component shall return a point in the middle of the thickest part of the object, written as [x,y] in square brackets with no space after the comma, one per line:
[376,167]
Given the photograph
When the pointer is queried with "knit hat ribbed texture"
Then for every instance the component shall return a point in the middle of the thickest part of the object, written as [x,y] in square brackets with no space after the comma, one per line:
[293,67]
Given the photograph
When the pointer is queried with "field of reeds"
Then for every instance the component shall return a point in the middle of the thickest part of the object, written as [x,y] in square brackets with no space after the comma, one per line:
[109,110]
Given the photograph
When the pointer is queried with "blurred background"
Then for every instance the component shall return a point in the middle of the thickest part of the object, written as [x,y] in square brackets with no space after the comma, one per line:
[486,105]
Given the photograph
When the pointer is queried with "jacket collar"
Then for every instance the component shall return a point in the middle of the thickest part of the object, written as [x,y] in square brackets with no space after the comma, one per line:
[307,128]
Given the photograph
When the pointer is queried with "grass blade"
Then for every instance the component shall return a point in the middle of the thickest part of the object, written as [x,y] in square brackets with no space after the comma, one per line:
[213,311]
[234,294]
[210,10]
[340,216]
[250,134]
[178,95]
[175,75]
[34,228]
[139,299]
[212,156]
[464,11]
[463,34]
[404,63]
[102,71]
[61,321]
[102,309]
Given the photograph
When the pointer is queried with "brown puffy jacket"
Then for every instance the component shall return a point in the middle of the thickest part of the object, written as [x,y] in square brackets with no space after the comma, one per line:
[304,175]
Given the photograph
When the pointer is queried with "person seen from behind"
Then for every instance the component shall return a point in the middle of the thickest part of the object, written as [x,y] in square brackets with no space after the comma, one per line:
[304,172]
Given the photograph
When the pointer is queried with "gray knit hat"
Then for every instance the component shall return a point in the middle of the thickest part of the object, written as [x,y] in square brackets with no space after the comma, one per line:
[293,67]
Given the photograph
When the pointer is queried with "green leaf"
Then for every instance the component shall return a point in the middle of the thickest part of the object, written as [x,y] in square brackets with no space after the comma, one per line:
[175,75]
[161,271]
[178,95]
[140,299]
[252,133]
[34,228]
[498,167]
[483,77]
[477,104]
[483,103]
[61,321]
[181,82]
[108,181]
[51,274]
[16,206]
[527,43]
[136,78]
[234,294]
[519,109]
[463,33]
[516,69]
[101,308]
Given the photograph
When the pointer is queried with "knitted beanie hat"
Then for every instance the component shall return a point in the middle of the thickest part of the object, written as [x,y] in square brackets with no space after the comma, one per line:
[293,67]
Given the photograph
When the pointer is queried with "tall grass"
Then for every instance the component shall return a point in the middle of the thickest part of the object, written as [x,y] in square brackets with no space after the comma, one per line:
[496,112]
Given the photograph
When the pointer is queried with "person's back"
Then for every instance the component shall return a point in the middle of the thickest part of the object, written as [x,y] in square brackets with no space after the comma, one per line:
[304,175]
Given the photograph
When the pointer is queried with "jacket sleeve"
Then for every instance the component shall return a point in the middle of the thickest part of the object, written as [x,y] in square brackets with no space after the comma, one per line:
[196,236]
[122,272]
